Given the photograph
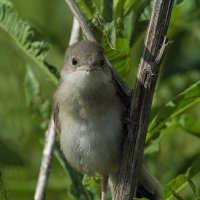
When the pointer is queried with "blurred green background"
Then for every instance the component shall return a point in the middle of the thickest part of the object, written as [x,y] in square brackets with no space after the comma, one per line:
[23,122]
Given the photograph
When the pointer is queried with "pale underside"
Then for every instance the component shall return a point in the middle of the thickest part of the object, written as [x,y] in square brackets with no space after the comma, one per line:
[90,122]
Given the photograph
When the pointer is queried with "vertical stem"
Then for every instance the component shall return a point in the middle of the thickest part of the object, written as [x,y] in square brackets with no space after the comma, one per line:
[75,33]
[155,44]
[50,135]
[46,162]
[81,20]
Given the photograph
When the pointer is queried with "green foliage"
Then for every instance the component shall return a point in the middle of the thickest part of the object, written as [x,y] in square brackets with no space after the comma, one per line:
[180,181]
[92,183]
[175,107]
[40,107]
[3,195]
[119,25]
[25,37]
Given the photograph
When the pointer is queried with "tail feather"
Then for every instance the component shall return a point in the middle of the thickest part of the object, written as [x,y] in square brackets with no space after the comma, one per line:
[148,186]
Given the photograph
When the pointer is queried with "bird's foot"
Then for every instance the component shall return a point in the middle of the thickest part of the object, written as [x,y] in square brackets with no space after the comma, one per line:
[104,187]
[128,120]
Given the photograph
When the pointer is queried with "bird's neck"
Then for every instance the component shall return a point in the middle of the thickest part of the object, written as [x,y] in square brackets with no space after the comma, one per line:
[94,98]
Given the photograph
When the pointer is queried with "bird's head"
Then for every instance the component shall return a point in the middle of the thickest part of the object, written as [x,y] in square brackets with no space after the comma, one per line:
[85,64]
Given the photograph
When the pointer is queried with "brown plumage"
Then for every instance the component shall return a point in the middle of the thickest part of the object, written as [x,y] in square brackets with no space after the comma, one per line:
[88,112]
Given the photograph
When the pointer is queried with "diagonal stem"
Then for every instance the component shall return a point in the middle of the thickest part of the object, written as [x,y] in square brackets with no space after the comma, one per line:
[154,48]
[40,191]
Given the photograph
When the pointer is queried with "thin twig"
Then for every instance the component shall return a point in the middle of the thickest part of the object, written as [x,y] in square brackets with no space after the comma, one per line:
[75,33]
[81,20]
[50,135]
[46,162]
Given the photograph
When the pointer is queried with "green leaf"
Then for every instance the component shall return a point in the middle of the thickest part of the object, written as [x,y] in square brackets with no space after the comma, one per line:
[153,147]
[193,187]
[40,106]
[178,183]
[174,108]
[120,56]
[190,124]
[107,10]
[119,9]
[176,2]
[92,183]
[25,37]
[111,34]
[88,7]
[75,179]
[3,195]
[140,22]
[31,86]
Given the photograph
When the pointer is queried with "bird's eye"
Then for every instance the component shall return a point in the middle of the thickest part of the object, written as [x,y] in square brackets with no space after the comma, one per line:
[102,62]
[74,61]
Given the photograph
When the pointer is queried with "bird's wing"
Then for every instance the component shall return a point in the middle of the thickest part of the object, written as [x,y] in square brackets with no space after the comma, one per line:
[56,116]
[122,90]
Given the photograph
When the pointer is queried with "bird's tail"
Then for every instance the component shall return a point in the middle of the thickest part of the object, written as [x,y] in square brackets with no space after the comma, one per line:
[148,186]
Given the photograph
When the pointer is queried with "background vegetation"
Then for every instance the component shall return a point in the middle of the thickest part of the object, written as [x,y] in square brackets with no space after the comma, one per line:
[27,86]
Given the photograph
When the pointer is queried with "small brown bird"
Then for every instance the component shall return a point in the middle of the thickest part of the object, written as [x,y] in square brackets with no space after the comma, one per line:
[88,113]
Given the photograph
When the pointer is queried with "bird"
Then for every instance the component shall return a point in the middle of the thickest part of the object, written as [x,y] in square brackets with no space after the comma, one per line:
[88,113]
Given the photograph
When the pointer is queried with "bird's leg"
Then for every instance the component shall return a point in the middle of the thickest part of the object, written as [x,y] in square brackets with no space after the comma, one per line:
[104,185]
[127,121]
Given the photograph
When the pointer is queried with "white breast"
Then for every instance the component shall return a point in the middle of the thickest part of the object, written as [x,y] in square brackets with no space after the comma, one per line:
[93,145]
[90,123]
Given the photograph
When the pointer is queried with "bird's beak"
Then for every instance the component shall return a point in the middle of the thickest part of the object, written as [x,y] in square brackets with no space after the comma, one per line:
[87,68]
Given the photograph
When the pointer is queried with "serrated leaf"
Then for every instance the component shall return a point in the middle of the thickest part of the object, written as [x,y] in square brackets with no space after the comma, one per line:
[24,35]
[174,108]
